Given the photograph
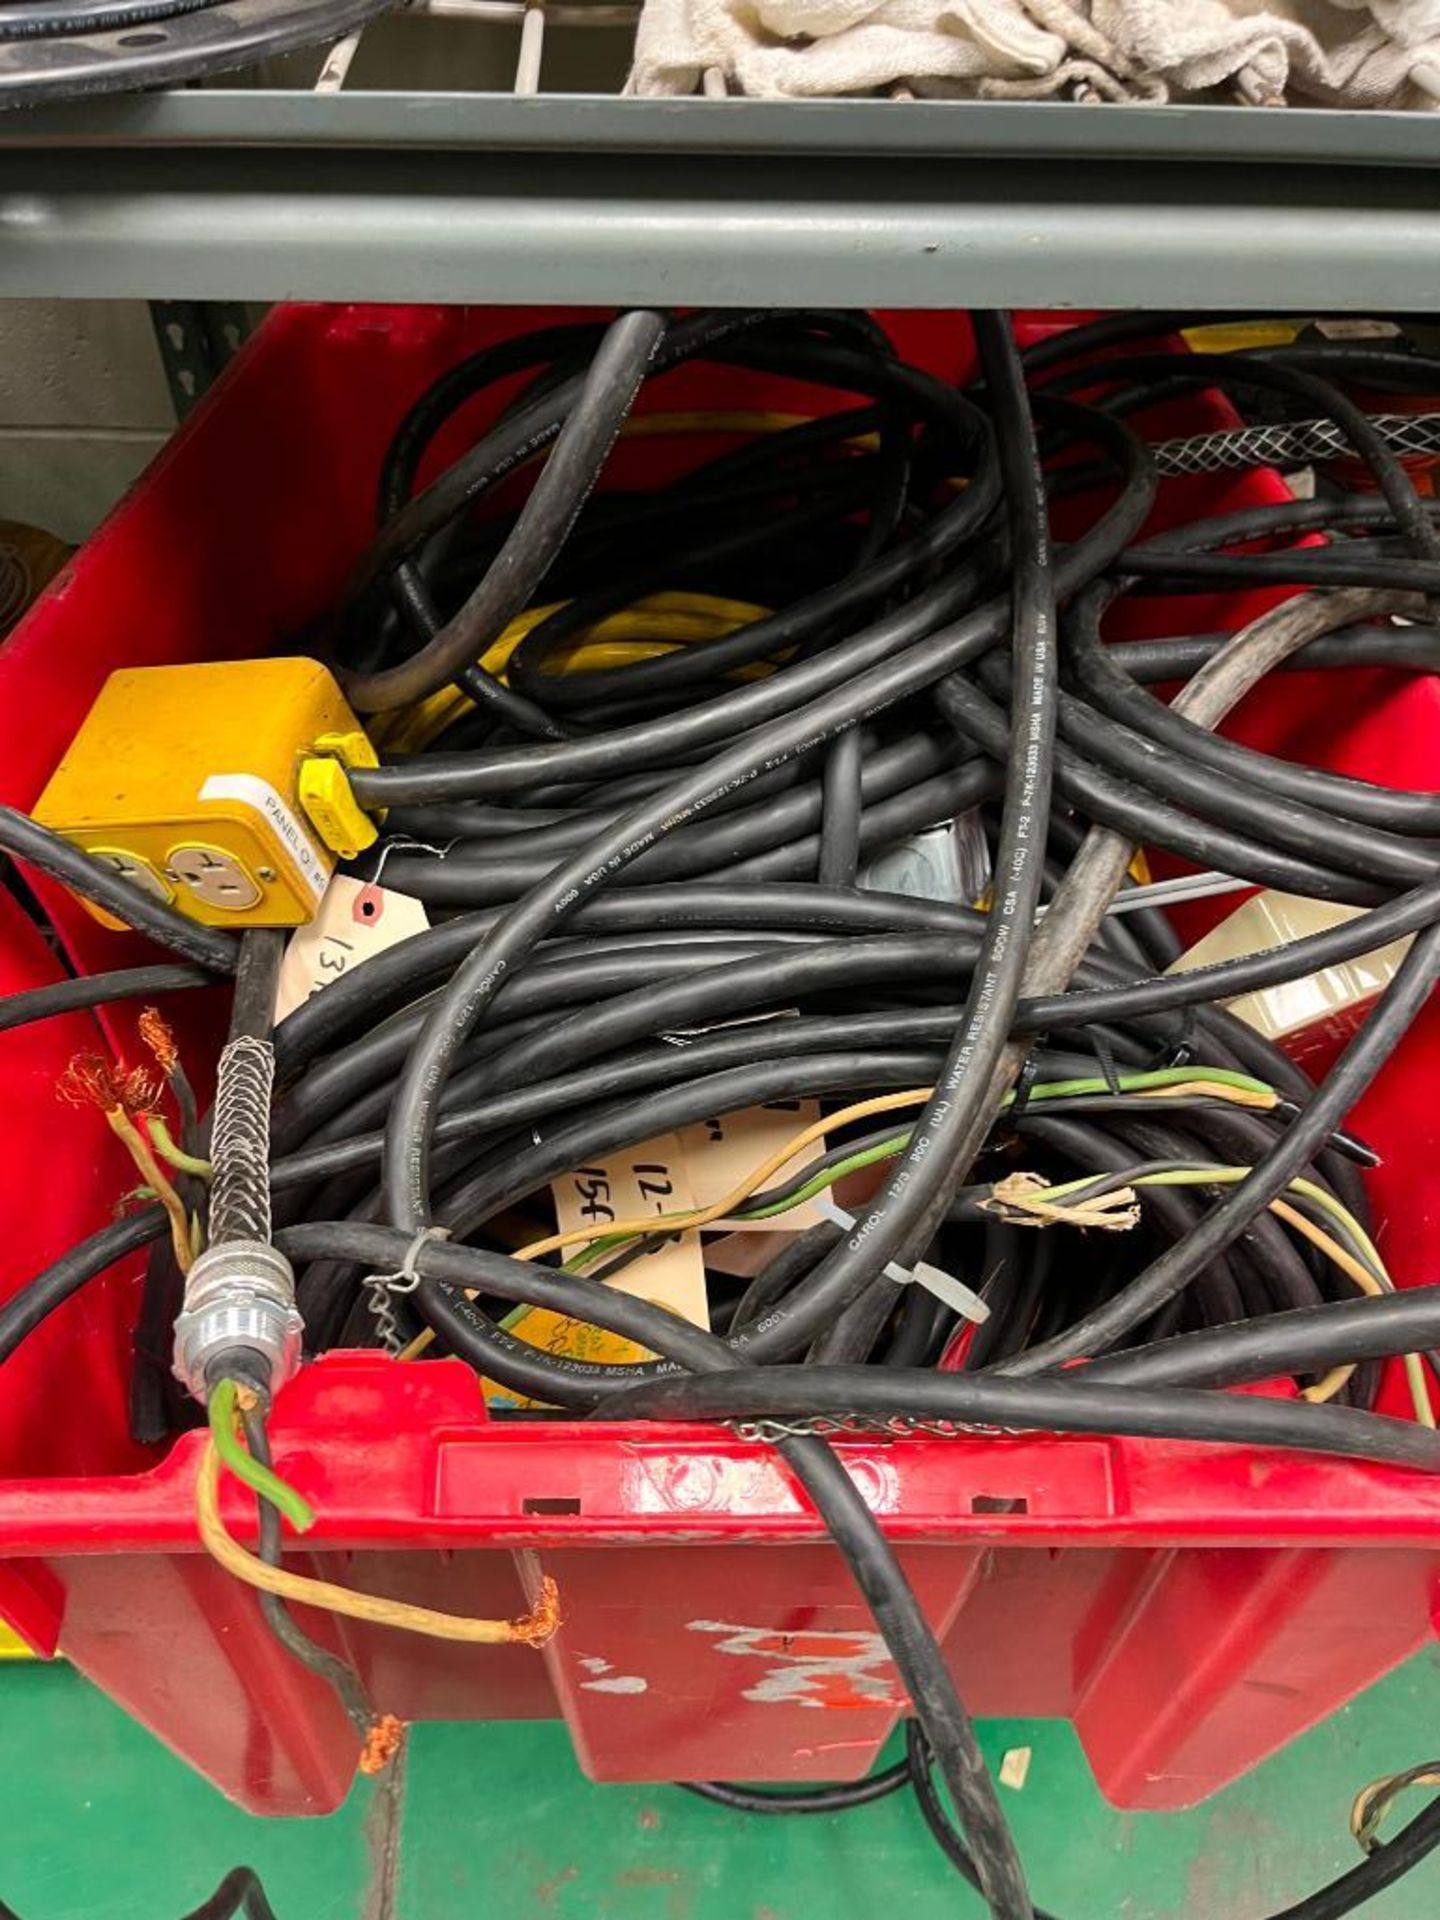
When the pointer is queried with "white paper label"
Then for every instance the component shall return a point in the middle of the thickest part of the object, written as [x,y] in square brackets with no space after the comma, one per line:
[355,922]
[251,791]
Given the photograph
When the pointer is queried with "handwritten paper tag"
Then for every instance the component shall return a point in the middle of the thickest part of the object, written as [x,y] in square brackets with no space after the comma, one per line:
[355,921]
[625,1185]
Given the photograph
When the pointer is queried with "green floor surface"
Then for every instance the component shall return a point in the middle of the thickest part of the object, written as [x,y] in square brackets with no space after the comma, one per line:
[493,1822]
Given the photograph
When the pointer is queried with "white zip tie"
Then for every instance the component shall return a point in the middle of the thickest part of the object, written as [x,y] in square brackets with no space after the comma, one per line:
[956,1295]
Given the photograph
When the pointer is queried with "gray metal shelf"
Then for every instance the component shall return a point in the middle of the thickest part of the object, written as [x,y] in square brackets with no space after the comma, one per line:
[288,192]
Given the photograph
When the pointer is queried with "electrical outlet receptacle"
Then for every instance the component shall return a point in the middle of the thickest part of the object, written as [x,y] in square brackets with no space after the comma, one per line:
[137,870]
[214,876]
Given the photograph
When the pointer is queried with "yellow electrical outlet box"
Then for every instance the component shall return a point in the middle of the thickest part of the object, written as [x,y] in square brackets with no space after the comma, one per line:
[188,781]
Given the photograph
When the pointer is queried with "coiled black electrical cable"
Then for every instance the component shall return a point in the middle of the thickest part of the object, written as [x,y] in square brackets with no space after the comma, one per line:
[881,633]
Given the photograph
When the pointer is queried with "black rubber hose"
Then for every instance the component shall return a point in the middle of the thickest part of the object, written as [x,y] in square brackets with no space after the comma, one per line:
[27,840]
[97,990]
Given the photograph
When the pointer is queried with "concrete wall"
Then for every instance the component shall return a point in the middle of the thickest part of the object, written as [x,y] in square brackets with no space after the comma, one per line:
[83,408]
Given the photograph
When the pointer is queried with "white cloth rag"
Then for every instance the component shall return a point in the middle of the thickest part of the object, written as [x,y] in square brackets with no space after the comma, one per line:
[1330,52]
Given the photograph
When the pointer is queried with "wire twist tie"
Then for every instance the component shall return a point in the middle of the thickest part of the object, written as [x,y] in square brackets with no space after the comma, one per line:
[406,1278]
[956,1295]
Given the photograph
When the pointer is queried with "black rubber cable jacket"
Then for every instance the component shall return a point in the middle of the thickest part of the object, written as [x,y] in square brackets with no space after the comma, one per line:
[409,591]
[867,582]
[532,1164]
[1407,649]
[1381,1869]
[1070,1405]
[908,1637]
[557,984]
[773,1282]
[918,1764]
[1236,799]
[1247,973]
[252,1012]
[1301,1340]
[693,670]
[911,774]
[839,860]
[337,1149]
[24,1310]
[512,440]
[1297,567]
[839,856]
[605,397]
[97,990]
[920,1663]
[669,738]
[717,849]
[1173,1210]
[517,435]
[527,831]
[1144,817]
[1382,1032]
[1225,370]
[805,1800]
[475,982]
[389,976]
[26,840]
[240,1892]
[21,21]
[902,1218]
[1101,673]
[356,1142]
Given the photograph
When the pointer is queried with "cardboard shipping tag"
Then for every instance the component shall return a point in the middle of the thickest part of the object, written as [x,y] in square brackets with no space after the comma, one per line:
[624,1185]
[720,1153]
[356,920]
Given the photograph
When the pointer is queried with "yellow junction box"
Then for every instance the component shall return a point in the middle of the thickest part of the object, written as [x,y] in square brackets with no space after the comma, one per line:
[193,782]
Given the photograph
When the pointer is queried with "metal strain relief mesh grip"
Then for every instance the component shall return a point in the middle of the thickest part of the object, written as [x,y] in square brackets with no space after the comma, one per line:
[240,1143]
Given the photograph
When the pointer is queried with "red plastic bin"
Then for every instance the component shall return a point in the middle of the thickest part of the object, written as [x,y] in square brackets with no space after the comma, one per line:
[1191,1609]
